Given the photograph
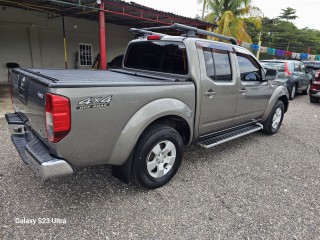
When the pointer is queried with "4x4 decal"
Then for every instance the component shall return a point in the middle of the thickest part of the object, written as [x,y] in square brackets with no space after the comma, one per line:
[94,102]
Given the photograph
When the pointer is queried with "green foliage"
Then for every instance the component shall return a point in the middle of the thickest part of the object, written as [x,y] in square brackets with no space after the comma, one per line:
[228,12]
[281,34]
[288,14]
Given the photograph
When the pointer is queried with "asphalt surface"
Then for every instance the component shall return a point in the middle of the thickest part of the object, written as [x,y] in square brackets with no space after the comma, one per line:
[255,187]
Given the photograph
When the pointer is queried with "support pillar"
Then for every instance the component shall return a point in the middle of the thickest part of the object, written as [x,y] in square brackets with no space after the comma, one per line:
[64,43]
[102,38]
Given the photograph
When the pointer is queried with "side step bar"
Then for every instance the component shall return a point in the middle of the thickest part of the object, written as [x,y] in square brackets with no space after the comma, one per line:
[214,140]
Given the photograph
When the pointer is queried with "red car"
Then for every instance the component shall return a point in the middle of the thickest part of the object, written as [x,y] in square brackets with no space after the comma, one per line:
[314,92]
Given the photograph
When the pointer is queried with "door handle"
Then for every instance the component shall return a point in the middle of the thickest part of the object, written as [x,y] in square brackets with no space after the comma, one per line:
[210,93]
[243,90]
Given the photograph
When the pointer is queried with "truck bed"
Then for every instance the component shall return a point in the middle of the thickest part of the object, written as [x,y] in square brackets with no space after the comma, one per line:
[58,78]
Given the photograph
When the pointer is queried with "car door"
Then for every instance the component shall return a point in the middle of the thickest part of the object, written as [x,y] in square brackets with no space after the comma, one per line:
[304,77]
[218,87]
[253,92]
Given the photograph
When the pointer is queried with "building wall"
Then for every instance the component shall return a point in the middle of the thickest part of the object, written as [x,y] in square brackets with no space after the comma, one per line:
[34,41]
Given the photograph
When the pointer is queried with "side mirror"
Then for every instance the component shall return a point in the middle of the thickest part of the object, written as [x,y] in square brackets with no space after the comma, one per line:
[271,74]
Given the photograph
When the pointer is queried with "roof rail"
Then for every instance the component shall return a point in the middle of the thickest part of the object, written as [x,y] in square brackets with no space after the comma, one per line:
[189,32]
[144,32]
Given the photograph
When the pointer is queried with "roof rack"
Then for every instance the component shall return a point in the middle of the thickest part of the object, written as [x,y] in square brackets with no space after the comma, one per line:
[189,32]
[145,32]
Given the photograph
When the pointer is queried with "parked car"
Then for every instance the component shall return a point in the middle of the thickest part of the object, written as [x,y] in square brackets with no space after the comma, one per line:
[294,73]
[115,62]
[314,91]
[312,66]
[170,92]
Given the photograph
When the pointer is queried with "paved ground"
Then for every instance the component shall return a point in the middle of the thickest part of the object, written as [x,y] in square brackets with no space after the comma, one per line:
[5,100]
[256,187]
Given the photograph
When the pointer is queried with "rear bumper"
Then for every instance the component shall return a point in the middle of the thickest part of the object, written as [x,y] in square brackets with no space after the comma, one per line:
[314,93]
[34,152]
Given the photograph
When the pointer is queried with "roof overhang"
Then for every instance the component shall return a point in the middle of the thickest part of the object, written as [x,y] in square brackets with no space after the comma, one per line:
[116,12]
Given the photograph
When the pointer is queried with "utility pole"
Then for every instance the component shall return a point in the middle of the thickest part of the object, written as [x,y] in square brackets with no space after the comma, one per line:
[288,48]
[259,43]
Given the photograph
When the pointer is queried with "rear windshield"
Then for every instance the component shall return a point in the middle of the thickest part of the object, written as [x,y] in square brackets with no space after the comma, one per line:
[312,65]
[158,56]
[274,65]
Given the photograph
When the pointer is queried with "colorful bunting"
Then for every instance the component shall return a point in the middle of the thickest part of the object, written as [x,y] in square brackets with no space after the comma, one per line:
[271,51]
[278,52]
[311,57]
[288,54]
[263,49]
[296,55]
[254,47]
[303,56]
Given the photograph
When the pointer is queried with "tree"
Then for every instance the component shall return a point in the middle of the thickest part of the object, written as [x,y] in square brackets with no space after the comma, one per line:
[229,13]
[284,35]
[204,6]
[288,14]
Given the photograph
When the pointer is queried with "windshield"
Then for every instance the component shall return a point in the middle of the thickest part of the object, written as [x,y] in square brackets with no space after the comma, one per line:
[157,56]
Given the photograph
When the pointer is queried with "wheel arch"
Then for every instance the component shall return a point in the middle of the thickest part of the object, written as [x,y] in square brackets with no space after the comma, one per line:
[280,93]
[171,112]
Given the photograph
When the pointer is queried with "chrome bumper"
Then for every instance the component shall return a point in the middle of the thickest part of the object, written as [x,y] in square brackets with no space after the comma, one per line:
[34,152]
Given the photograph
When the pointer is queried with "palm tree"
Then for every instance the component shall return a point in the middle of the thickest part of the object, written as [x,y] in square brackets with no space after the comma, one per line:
[229,13]
[204,6]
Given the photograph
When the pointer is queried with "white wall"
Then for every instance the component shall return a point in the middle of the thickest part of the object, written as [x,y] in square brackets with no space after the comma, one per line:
[34,41]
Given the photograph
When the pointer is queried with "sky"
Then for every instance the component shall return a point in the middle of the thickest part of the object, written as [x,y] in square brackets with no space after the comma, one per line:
[307,10]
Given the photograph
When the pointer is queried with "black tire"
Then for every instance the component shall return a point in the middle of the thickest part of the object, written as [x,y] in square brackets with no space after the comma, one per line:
[306,92]
[313,99]
[292,92]
[156,135]
[267,125]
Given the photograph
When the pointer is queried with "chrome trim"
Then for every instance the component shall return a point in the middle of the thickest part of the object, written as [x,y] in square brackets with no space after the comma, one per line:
[50,169]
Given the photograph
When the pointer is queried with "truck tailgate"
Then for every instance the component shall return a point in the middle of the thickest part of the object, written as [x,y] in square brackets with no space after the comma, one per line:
[28,99]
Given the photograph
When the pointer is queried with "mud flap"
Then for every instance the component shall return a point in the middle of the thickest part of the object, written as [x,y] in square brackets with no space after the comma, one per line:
[123,172]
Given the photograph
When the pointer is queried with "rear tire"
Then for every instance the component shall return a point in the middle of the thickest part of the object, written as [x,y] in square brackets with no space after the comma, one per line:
[273,122]
[293,92]
[313,99]
[157,157]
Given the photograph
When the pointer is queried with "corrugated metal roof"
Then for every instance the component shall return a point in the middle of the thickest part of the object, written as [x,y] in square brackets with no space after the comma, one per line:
[117,12]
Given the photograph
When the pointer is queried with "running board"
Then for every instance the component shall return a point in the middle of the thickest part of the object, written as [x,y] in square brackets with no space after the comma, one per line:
[215,140]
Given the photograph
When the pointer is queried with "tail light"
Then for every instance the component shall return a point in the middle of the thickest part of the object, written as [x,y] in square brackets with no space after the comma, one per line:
[315,85]
[58,122]
[317,73]
[287,73]
[153,37]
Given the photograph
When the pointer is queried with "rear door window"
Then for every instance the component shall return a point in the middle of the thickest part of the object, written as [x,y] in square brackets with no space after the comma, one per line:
[158,56]
[217,64]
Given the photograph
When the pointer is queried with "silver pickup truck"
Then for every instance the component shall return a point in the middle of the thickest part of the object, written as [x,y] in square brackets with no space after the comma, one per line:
[171,91]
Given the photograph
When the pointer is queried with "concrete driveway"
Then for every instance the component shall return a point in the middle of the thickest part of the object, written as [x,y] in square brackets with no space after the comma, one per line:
[256,187]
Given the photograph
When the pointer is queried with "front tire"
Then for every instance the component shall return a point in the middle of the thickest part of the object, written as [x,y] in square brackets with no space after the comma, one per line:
[306,92]
[157,157]
[273,122]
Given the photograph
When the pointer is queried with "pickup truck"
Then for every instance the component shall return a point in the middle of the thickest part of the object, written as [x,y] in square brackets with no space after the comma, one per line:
[171,91]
